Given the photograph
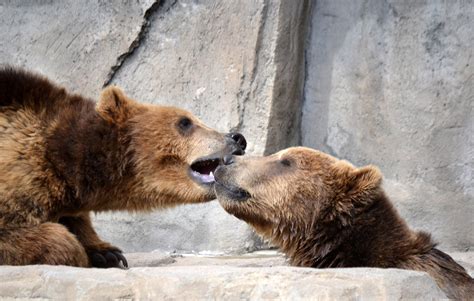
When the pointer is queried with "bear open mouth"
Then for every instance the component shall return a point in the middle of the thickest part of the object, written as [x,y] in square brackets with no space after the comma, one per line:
[203,170]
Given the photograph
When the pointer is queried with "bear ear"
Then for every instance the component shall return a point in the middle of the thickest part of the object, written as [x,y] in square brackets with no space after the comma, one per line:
[363,183]
[114,106]
[356,188]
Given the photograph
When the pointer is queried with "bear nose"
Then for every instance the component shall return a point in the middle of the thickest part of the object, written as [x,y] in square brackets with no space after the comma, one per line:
[239,139]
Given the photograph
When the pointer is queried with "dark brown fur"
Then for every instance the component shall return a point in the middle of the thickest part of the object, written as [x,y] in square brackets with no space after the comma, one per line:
[62,156]
[325,213]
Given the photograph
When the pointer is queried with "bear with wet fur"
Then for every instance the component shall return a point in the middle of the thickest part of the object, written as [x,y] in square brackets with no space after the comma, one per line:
[63,156]
[325,213]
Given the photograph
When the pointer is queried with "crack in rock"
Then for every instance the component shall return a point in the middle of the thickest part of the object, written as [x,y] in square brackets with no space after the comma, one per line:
[154,8]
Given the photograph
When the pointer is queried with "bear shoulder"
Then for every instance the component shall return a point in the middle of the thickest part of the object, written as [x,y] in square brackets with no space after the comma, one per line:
[26,89]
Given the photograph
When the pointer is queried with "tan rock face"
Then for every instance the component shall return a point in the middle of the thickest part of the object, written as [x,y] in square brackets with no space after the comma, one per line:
[215,283]
[253,276]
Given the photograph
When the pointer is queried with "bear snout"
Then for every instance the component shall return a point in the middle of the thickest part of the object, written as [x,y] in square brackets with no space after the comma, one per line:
[219,173]
[228,159]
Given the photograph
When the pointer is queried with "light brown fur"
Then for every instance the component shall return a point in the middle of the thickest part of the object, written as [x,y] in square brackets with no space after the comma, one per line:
[62,156]
[323,212]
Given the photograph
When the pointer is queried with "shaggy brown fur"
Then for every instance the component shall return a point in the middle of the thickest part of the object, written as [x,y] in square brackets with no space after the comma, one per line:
[325,213]
[62,156]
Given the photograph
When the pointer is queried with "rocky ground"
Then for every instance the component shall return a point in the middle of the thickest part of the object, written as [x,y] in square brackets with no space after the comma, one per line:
[259,275]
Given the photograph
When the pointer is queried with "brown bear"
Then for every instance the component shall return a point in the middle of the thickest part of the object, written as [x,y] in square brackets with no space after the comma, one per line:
[325,213]
[63,156]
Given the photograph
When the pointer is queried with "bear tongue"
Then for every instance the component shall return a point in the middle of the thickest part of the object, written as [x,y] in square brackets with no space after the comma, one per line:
[204,177]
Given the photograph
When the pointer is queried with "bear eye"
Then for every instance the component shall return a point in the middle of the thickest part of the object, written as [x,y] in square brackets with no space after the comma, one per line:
[285,162]
[185,124]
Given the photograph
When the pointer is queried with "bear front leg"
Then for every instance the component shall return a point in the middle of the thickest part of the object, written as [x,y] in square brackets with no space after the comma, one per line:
[47,243]
[101,254]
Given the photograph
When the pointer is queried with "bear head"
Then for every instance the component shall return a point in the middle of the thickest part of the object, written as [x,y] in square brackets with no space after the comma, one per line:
[294,189]
[172,153]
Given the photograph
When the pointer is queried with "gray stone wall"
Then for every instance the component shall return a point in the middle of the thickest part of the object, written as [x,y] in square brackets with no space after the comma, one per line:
[391,83]
[382,82]
[235,64]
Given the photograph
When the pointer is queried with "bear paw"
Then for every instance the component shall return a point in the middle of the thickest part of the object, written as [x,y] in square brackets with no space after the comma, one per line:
[107,258]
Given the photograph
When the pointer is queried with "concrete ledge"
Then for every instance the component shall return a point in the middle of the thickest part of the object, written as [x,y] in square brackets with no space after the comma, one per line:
[252,276]
[213,282]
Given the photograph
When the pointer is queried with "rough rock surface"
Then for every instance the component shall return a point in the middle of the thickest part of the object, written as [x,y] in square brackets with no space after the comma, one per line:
[391,83]
[264,258]
[257,275]
[221,60]
[214,282]
[235,64]
[191,228]
[73,42]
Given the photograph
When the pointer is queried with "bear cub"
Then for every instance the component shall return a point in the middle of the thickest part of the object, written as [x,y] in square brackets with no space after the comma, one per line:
[63,156]
[325,213]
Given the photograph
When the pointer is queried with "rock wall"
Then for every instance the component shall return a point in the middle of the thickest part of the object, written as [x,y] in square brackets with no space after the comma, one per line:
[223,61]
[236,64]
[391,83]
[382,82]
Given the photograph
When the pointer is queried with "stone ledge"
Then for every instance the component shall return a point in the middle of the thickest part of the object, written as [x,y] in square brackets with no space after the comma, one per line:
[263,258]
[258,275]
[213,282]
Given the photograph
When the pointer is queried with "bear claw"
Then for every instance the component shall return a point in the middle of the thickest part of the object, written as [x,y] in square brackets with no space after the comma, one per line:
[108,259]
